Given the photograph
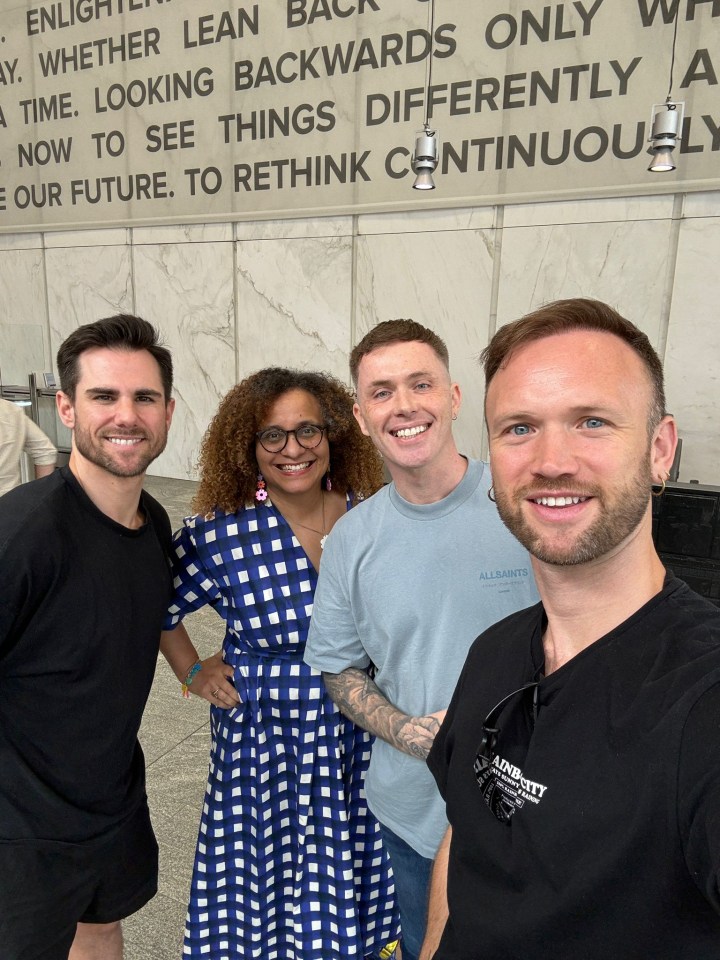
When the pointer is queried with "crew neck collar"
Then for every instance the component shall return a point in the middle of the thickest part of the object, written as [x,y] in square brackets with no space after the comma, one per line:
[474,474]
[92,508]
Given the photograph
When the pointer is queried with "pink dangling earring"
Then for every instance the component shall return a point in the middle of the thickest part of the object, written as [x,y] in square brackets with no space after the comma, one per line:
[261,492]
[328,481]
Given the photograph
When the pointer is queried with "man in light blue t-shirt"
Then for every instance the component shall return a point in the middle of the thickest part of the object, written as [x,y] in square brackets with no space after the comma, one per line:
[408,580]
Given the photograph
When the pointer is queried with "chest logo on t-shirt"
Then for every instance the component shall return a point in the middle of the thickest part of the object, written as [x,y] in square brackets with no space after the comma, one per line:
[503,786]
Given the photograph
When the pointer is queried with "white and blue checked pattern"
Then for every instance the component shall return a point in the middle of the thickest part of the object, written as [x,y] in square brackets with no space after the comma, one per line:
[289,862]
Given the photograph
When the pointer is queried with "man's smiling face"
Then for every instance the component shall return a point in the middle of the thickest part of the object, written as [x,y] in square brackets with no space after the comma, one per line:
[571,458]
[119,416]
[405,404]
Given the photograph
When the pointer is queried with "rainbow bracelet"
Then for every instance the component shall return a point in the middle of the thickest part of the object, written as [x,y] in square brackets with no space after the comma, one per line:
[189,677]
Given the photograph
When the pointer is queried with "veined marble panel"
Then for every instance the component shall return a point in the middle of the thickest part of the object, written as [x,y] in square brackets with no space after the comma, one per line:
[111,237]
[24,346]
[702,204]
[294,229]
[601,210]
[22,351]
[692,357]
[423,221]
[183,233]
[444,281]
[293,304]
[21,241]
[186,290]
[624,264]
[86,283]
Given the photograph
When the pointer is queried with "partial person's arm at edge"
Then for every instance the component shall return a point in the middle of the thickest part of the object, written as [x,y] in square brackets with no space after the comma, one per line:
[214,674]
[438,905]
[40,448]
[360,699]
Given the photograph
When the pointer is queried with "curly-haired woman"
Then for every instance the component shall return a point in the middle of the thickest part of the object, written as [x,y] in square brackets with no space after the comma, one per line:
[289,863]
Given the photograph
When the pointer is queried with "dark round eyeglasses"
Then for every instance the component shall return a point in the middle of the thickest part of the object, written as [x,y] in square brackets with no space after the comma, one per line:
[274,439]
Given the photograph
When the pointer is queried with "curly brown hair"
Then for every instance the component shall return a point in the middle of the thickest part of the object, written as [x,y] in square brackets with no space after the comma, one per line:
[227,457]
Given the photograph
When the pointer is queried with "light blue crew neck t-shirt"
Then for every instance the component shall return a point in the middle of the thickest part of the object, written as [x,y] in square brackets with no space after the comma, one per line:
[408,587]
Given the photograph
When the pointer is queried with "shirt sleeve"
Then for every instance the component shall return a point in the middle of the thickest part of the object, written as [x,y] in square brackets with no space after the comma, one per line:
[38,447]
[27,564]
[699,794]
[15,592]
[193,585]
[333,642]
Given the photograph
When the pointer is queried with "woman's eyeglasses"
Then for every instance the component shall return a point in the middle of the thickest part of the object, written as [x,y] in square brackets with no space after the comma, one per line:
[274,439]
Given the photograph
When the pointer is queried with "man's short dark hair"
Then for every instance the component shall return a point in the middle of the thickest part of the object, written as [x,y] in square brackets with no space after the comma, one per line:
[562,316]
[396,331]
[121,332]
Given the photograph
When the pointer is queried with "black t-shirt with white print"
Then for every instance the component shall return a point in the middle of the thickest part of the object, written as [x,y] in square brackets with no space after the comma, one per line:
[608,790]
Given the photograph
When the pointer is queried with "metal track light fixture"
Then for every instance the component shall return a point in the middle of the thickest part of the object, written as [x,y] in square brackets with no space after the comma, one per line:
[666,122]
[425,159]
[427,152]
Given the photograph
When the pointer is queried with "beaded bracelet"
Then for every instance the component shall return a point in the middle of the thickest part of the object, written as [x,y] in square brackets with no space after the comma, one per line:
[189,677]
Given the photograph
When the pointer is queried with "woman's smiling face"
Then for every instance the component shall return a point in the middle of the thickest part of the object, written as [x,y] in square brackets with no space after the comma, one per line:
[294,469]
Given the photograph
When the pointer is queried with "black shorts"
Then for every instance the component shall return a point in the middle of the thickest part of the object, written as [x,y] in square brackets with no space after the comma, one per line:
[46,887]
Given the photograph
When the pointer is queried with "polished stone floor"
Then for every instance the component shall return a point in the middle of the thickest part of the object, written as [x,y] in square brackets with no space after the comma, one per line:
[175,737]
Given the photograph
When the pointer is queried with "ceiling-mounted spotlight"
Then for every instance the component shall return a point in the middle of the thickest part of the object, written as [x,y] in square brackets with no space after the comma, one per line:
[665,128]
[425,159]
[666,120]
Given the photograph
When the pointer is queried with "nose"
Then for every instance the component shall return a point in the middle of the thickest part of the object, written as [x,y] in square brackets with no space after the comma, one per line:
[125,411]
[554,454]
[292,448]
[405,401]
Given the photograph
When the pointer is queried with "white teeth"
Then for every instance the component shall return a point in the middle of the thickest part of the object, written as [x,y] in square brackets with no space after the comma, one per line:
[293,467]
[410,431]
[559,501]
[124,441]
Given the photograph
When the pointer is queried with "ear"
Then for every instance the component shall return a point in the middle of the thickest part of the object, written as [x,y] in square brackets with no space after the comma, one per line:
[169,410]
[360,419]
[65,409]
[456,398]
[662,448]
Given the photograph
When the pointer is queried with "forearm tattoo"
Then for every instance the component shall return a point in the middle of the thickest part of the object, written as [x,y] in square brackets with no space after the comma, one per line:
[360,699]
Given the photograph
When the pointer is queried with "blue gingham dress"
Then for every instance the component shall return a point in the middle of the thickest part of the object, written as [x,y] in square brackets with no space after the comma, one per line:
[289,863]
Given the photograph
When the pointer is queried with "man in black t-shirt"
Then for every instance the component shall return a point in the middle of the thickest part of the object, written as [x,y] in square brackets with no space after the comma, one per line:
[580,755]
[85,581]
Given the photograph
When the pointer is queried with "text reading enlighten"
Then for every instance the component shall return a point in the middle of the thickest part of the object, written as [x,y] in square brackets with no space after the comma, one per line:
[67,13]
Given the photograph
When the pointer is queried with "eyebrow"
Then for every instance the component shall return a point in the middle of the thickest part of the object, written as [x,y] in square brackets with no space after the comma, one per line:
[406,376]
[580,410]
[300,423]
[113,392]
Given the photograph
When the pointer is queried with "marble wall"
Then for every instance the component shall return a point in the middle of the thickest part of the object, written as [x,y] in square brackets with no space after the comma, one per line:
[232,297]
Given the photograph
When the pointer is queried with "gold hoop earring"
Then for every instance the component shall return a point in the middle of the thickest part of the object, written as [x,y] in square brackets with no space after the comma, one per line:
[661,491]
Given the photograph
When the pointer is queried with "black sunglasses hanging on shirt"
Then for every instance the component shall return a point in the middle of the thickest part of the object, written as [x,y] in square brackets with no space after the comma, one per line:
[497,793]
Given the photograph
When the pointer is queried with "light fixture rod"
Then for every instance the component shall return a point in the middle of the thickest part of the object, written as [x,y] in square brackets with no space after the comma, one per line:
[428,75]
[672,56]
